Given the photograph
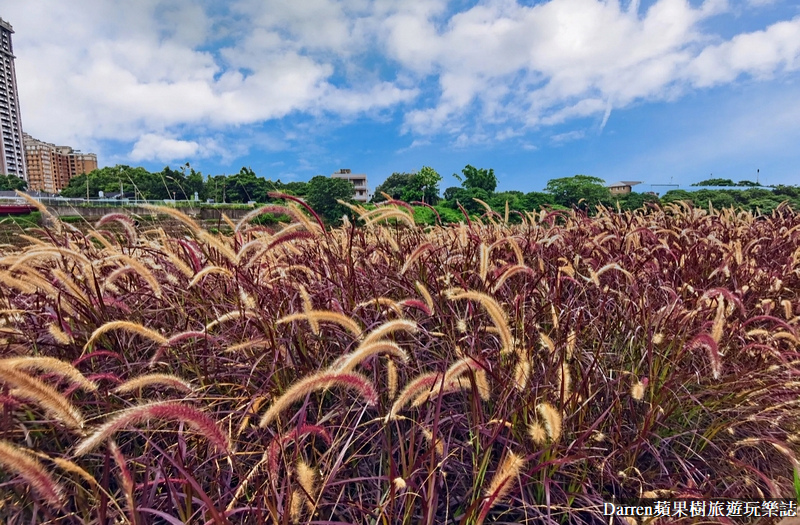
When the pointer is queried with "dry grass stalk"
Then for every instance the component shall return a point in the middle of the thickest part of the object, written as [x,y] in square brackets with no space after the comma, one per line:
[49,252]
[320,381]
[247,344]
[510,272]
[416,254]
[514,246]
[55,221]
[437,443]
[564,381]
[719,321]
[209,270]
[393,213]
[17,284]
[571,339]
[218,243]
[230,316]
[501,483]
[128,327]
[349,361]
[637,390]
[123,220]
[499,317]
[547,342]
[54,404]
[50,364]
[522,371]
[168,380]
[140,269]
[451,380]
[537,433]
[391,378]
[126,479]
[327,316]
[160,410]
[66,281]
[175,214]
[58,334]
[383,301]
[552,420]
[707,341]
[412,389]
[307,479]
[301,217]
[269,208]
[389,328]
[21,463]
[425,294]
[483,265]
[308,306]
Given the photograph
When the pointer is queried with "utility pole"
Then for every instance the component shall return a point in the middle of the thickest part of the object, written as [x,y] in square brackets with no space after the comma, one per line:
[87,187]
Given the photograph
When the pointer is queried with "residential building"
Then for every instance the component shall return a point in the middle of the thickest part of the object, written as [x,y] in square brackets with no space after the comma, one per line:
[12,155]
[51,167]
[359,181]
[623,187]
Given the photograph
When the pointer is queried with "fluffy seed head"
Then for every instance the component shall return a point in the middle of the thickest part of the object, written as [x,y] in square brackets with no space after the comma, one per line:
[56,405]
[537,433]
[637,390]
[552,420]
[167,380]
[21,463]
[321,381]
[170,411]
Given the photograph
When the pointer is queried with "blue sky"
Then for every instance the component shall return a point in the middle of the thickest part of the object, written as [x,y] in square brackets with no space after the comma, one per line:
[665,91]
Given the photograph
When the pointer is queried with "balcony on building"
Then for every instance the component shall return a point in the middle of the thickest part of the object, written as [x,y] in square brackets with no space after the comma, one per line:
[359,181]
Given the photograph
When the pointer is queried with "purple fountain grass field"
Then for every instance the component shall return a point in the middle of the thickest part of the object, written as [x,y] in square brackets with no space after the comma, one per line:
[382,372]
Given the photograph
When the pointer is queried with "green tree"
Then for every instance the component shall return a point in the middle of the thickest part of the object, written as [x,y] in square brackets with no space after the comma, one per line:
[113,179]
[216,188]
[569,191]
[475,178]
[715,182]
[12,182]
[396,186]
[427,180]
[634,200]
[247,186]
[323,192]
[534,200]
[297,188]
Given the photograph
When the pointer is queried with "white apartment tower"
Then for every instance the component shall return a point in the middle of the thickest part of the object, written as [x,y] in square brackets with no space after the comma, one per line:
[12,154]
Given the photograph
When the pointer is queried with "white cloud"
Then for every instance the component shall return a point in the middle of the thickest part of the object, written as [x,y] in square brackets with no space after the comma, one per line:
[156,147]
[183,70]
[760,54]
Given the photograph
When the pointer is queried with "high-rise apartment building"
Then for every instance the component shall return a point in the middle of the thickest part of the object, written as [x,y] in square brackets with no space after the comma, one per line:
[12,155]
[50,167]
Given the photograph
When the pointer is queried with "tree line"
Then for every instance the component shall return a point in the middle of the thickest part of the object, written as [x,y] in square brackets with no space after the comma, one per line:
[477,189]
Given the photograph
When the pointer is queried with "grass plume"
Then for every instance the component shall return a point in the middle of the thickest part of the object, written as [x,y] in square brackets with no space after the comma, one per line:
[127,326]
[160,410]
[320,381]
[148,380]
[32,389]
[15,459]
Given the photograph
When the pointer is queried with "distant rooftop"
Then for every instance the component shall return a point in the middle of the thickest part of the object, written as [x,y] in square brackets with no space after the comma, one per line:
[623,183]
